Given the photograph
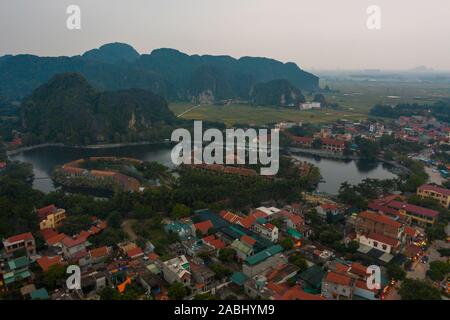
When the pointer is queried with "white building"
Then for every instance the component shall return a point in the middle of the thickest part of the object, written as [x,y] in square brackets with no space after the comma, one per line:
[177,270]
[310,105]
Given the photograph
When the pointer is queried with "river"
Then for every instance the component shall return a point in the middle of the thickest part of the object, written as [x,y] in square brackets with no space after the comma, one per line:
[334,172]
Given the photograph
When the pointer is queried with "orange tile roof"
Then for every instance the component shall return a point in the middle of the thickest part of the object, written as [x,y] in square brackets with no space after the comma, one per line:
[46,262]
[99,252]
[341,268]
[153,256]
[383,239]
[20,237]
[72,242]
[249,240]
[203,226]
[380,218]
[296,293]
[56,239]
[338,278]
[358,269]
[135,252]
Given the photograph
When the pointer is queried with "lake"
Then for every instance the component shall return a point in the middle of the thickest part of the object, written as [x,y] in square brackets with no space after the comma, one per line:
[334,172]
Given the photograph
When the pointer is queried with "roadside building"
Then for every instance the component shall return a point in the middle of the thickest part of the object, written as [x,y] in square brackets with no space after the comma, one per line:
[440,194]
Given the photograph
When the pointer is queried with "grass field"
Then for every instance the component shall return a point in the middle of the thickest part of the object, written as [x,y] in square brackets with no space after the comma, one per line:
[246,114]
[361,96]
[355,99]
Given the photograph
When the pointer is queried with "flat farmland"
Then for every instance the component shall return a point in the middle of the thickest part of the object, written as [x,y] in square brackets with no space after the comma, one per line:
[246,114]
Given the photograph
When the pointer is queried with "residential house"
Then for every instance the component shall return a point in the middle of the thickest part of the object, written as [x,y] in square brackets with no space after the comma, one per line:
[74,248]
[46,262]
[203,277]
[369,222]
[266,229]
[243,248]
[16,270]
[23,241]
[337,286]
[261,261]
[177,270]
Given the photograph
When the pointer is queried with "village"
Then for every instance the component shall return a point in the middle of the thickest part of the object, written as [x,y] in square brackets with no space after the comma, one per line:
[318,248]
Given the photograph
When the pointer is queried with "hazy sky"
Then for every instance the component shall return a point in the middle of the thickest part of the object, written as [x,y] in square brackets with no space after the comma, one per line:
[316,34]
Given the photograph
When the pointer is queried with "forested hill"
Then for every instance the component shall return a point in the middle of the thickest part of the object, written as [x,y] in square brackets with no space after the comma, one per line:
[277,93]
[68,109]
[168,72]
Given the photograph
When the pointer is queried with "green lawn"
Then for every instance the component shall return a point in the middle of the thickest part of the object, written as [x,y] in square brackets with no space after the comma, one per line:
[246,114]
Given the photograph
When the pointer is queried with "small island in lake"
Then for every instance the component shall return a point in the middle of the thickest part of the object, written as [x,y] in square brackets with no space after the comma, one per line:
[104,173]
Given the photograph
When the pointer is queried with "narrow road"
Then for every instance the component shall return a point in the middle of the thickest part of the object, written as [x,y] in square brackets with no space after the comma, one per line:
[188,110]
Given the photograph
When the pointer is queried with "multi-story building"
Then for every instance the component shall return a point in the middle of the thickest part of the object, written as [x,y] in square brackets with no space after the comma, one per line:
[368,222]
[266,230]
[177,270]
[50,217]
[440,194]
[73,248]
[23,241]
[379,231]
[332,145]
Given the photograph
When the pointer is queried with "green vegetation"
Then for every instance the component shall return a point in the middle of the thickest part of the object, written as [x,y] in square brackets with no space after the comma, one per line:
[177,291]
[360,96]
[279,93]
[418,290]
[67,109]
[439,270]
[243,114]
[440,110]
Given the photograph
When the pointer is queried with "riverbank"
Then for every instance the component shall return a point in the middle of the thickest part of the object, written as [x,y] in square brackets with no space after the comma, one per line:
[92,146]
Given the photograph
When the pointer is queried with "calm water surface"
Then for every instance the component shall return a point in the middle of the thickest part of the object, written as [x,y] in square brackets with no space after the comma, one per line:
[334,172]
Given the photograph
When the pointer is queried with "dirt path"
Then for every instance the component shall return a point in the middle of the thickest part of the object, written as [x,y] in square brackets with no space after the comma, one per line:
[127,227]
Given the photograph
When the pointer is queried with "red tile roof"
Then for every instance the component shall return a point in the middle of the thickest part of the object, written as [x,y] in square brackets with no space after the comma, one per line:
[99,252]
[338,278]
[53,240]
[135,252]
[383,239]
[410,231]
[46,262]
[72,242]
[380,218]
[333,142]
[45,211]
[247,222]
[153,256]
[249,240]
[358,269]
[204,226]
[414,209]
[296,293]
[20,237]
[212,241]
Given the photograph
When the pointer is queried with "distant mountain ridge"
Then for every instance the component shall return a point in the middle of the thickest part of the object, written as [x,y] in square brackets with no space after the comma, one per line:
[168,72]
